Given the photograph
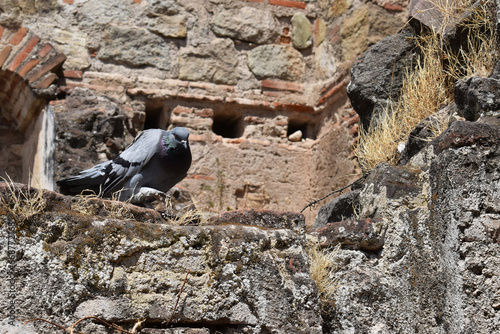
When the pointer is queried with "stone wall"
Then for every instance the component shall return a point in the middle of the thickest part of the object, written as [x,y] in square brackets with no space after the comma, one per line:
[243,76]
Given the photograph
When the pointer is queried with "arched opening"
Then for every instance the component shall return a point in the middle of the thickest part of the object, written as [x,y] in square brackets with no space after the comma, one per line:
[24,125]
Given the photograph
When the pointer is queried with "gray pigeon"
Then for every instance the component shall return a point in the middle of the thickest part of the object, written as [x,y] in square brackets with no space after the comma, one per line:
[154,162]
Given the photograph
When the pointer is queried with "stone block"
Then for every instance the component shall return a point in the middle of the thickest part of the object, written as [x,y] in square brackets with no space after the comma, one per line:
[247,24]
[214,62]
[169,26]
[134,46]
[276,61]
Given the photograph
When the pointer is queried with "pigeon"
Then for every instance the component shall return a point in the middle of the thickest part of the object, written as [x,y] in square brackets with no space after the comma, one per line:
[154,162]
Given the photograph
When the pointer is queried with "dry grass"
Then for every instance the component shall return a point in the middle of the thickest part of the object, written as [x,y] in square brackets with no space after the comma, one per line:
[322,267]
[429,86]
[188,215]
[89,203]
[22,204]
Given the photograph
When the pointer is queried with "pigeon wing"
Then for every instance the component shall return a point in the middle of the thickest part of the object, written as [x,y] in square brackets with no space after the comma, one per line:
[131,161]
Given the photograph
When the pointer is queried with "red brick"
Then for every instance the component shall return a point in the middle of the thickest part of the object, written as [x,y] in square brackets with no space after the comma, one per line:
[137,1]
[205,112]
[28,66]
[235,140]
[25,51]
[182,110]
[4,54]
[274,93]
[288,3]
[331,92]
[69,2]
[248,102]
[293,107]
[393,8]
[48,66]
[18,36]
[47,81]
[1,31]
[283,85]
[73,74]
[203,177]
[354,129]
[45,50]
[353,120]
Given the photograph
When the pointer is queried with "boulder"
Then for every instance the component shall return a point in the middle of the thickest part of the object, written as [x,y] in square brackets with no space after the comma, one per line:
[477,96]
[338,209]
[377,76]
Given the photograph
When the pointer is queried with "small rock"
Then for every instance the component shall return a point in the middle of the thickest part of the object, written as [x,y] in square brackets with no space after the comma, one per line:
[301,31]
[296,136]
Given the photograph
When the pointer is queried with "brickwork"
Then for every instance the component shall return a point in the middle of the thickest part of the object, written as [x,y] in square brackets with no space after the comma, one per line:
[262,94]
[26,65]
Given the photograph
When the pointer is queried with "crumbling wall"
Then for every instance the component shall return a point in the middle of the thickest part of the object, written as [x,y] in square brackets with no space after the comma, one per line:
[234,73]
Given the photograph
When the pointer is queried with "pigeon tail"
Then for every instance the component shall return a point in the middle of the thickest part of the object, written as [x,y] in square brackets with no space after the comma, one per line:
[89,179]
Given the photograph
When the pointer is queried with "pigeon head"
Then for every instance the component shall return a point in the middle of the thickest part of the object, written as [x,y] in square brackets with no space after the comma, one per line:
[175,140]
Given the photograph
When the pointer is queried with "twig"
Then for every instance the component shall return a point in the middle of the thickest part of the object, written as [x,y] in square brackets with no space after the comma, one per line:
[104,322]
[314,202]
[50,322]
[138,326]
[178,297]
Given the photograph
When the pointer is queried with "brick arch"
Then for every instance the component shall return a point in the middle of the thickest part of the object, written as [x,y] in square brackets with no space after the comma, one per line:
[27,66]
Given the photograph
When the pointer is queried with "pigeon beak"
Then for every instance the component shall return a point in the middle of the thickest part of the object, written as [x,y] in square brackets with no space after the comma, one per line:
[184,142]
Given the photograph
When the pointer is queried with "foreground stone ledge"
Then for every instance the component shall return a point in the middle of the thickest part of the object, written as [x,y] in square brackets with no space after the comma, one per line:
[240,278]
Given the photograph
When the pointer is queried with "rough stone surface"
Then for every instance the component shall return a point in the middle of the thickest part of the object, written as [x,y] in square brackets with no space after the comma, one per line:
[338,209]
[382,65]
[169,26]
[246,24]
[276,61]
[366,25]
[135,47]
[91,129]
[477,96]
[215,62]
[438,262]
[360,234]
[240,278]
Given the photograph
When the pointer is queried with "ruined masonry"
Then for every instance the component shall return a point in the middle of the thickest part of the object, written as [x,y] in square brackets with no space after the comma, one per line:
[259,84]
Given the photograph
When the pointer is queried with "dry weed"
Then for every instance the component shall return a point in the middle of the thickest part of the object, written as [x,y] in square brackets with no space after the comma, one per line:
[21,203]
[88,203]
[429,86]
[322,268]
